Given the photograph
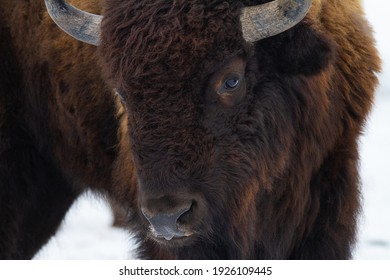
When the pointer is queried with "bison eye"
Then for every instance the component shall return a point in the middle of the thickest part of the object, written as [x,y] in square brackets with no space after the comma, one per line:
[231,84]
[232,89]
[227,85]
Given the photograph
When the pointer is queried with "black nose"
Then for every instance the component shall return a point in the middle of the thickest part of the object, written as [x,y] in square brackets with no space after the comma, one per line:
[166,225]
[164,217]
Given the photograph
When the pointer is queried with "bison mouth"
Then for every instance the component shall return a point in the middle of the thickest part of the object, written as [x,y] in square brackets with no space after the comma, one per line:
[185,238]
[176,241]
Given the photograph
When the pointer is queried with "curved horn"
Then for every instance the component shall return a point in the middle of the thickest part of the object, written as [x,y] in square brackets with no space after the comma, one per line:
[79,24]
[269,19]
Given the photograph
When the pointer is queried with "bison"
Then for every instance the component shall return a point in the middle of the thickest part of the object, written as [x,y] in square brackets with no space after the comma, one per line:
[225,129]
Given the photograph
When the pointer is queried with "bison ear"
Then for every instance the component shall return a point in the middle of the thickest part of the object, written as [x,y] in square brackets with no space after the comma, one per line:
[301,50]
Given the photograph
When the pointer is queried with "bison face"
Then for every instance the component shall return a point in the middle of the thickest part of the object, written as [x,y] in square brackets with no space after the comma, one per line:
[201,136]
[210,116]
[189,158]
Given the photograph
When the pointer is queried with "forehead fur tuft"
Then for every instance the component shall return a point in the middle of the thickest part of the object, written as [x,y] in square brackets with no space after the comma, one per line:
[148,44]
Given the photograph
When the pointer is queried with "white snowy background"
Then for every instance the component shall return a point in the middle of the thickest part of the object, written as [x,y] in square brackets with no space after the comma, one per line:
[86,232]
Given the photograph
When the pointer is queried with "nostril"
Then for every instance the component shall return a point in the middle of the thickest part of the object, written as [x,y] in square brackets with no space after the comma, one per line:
[182,211]
[146,213]
[184,218]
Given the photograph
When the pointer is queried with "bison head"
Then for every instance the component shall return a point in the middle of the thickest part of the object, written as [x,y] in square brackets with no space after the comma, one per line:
[214,103]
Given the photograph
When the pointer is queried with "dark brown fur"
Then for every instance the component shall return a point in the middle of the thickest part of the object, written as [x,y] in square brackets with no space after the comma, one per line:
[275,170]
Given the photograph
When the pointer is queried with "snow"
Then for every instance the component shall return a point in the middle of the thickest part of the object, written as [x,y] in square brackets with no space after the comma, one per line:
[374,238]
[87,233]
[374,241]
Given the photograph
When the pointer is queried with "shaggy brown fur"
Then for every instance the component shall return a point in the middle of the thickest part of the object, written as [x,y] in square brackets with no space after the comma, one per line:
[272,166]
